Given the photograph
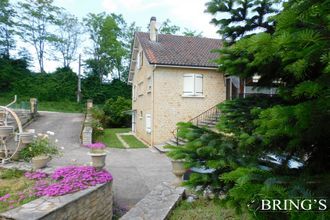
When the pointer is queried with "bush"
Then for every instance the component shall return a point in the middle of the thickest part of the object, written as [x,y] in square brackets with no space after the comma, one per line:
[116,112]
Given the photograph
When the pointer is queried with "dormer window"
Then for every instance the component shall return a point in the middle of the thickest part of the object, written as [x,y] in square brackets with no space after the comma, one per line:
[139,60]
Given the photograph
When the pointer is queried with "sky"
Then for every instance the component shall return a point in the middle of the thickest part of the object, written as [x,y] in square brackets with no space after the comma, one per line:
[183,13]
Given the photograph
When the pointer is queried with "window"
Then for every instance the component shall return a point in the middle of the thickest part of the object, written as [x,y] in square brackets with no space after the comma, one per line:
[134,92]
[149,86]
[193,85]
[139,60]
[140,89]
[148,123]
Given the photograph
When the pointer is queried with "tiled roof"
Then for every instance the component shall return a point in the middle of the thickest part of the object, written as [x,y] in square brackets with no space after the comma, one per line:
[179,50]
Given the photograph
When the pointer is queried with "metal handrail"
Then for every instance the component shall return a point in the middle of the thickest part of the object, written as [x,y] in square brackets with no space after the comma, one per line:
[195,121]
[13,102]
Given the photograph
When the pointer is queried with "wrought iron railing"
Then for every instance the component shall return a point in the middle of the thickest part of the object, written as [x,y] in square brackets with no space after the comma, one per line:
[211,113]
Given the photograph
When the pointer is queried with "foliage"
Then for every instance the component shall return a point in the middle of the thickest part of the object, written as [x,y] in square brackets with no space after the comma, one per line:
[243,16]
[167,28]
[270,147]
[42,145]
[15,189]
[116,111]
[11,174]
[67,37]
[36,19]
[7,24]
[192,33]
[107,51]
[203,209]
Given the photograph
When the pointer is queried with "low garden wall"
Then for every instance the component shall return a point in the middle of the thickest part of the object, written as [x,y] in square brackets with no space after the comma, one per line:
[92,203]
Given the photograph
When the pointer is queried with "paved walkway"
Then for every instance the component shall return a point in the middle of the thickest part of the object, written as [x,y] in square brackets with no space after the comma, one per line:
[136,171]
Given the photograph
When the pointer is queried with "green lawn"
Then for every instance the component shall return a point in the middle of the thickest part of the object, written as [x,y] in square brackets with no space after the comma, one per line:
[203,209]
[110,139]
[133,142]
[64,106]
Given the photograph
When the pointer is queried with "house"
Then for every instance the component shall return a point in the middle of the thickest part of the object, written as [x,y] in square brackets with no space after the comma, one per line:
[173,79]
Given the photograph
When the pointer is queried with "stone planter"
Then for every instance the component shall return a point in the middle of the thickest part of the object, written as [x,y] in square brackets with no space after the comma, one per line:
[98,159]
[5,131]
[39,162]
[26,138]
[178,170]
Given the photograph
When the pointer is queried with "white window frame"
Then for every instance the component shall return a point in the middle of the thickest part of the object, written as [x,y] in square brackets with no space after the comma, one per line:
[148,123]
[139,60]
[193,91]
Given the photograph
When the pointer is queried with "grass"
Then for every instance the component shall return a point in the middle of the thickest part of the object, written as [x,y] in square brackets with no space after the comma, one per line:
[14,183]
[203,209]
[110,139]
[133,142]
[63,106]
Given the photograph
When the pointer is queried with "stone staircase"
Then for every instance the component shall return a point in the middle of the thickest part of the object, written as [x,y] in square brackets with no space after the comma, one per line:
[207,119]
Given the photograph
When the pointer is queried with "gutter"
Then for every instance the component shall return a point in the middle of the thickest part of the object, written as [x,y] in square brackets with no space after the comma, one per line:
[187,67]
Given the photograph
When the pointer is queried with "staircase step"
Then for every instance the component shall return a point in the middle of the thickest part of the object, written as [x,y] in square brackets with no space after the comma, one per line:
[180,141]
[161,149]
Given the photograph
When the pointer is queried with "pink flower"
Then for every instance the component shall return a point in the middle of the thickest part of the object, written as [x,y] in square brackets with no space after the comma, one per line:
[5,197]
[97,145]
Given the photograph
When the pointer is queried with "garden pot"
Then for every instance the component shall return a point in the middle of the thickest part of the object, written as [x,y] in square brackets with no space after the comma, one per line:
[178,170]
[26,138]
[98,159]
[39,162]
[5,131]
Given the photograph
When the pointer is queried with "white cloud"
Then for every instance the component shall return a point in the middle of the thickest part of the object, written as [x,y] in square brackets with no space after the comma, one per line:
[110,5]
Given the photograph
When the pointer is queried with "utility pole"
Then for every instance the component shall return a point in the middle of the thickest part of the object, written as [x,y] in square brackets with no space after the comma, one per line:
[79,81]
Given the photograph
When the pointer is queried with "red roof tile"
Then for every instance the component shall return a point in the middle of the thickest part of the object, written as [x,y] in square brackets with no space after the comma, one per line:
[180,50]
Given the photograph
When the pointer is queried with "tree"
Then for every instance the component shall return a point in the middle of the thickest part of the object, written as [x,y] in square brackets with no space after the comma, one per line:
[7,26]
[245,16]
[191,33]
[167,28]
[272,147]
[36,19]
[106,52]
[67,37]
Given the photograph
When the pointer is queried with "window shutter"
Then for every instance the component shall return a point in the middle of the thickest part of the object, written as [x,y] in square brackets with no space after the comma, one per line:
[148,123]
[188,84]
[198,84]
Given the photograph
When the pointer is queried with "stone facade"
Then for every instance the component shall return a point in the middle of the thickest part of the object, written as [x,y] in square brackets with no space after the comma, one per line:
[165,101]
[90,204]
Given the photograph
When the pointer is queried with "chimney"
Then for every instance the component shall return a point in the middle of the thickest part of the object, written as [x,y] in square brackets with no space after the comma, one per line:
[153,29]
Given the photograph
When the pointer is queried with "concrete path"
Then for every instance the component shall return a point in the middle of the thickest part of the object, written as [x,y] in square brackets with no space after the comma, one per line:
[136,171]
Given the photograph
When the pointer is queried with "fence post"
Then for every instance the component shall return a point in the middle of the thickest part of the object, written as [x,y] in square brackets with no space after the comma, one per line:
[33,106]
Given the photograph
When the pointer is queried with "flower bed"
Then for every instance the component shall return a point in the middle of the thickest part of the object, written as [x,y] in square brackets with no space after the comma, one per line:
[15,189]
[62,181]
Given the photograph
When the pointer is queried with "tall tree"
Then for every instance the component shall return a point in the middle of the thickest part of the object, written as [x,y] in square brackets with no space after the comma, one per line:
[37,18]
[192,33]
[7,26]
[106,52]
[241,17]
[167,28]
[67,37]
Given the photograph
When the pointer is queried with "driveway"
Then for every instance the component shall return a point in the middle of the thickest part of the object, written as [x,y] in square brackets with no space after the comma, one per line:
[136,171]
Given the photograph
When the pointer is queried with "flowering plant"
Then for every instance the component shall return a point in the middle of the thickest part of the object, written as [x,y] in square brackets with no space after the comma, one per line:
[96,147]
[71,179]
[43,145]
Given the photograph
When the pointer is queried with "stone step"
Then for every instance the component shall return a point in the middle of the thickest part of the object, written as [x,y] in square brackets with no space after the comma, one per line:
[161,149]
[156,205]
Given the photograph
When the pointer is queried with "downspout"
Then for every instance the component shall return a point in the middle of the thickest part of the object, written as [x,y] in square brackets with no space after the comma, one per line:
[153,105]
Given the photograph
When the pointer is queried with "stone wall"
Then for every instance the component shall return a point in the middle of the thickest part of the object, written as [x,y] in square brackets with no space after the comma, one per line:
[90,204]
